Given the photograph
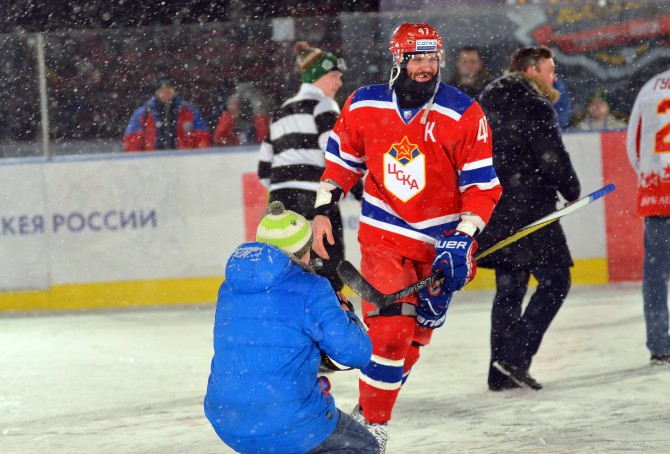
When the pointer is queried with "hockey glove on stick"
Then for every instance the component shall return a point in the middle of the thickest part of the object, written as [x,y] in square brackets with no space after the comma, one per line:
[455,251]
[432,309]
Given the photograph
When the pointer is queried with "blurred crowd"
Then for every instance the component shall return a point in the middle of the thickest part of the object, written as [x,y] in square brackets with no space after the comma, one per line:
[97,78]
[102,59]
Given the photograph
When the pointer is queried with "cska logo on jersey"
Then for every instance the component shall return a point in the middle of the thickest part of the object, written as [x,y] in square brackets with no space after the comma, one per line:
[404,170]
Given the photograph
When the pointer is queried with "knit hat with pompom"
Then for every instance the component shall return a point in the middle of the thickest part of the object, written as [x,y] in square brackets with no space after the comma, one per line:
[313,63]
[286,229]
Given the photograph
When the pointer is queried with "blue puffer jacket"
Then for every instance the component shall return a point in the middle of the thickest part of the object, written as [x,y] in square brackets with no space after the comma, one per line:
[272,319]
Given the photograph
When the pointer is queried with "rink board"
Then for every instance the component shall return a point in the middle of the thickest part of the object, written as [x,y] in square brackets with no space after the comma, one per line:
[128,230]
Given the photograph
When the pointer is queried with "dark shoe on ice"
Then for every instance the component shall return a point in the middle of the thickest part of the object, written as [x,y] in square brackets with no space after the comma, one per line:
[660,360]
[520,376]
[505,386]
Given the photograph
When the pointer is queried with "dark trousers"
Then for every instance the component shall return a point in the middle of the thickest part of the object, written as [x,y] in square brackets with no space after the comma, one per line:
[302,202]
[655,283]
[516,334]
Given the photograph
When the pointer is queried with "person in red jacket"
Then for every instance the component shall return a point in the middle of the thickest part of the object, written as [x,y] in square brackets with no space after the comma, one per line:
[239,126]
[166,122]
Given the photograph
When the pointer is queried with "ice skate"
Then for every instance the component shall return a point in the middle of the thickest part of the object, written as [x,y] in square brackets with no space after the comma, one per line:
[357,414]
[380,431]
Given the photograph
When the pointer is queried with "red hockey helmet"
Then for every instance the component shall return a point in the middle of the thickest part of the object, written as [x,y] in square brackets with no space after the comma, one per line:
[413,38]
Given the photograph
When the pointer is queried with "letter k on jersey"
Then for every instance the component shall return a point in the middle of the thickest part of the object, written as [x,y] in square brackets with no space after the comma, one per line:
[404,170]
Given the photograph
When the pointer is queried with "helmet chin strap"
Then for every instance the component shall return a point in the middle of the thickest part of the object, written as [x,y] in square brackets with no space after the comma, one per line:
[424,117]
[395,72]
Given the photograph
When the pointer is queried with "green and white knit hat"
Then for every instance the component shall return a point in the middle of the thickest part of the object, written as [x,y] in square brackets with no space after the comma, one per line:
[286,229]
[313,63]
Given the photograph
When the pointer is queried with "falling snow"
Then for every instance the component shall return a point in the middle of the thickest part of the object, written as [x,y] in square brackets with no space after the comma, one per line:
[134,381]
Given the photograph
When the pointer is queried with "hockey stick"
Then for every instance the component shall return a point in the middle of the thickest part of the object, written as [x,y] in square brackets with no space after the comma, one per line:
[350,275]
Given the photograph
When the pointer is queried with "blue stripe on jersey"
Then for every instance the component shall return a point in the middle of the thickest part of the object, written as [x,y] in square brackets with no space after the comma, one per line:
[376,213]
[333,147]
[481,175]
[452,98]
[379,92]
[385,374]
[447,96]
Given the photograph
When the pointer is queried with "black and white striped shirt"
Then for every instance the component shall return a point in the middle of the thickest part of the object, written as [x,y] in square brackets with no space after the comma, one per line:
[292,157]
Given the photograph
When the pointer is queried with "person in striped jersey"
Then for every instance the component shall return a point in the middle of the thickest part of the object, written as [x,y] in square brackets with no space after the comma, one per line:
[291,159]
[430,186]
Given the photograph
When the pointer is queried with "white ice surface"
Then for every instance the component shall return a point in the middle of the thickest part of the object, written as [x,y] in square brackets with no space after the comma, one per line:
[133,381]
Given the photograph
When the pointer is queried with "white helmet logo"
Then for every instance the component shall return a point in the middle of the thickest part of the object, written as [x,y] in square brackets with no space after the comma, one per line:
[426,45]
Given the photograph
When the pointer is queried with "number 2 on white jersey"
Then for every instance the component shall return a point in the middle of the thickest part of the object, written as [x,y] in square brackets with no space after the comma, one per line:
[661,145]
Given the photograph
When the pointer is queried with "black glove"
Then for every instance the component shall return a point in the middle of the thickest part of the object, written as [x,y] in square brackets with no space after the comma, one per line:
[357,190]
[332,365]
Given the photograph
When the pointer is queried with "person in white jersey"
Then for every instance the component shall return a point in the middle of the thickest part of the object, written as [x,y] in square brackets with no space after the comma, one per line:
[648,145]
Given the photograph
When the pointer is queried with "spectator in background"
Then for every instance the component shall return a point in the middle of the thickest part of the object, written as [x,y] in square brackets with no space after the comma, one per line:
[291,159]
[649,155]
[598,117]
[238,125]
[471,74]
[534,168]
[562,106]
[224,91]
[166,122]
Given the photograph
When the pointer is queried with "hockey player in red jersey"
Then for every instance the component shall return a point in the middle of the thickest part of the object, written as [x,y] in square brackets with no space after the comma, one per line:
[425,151]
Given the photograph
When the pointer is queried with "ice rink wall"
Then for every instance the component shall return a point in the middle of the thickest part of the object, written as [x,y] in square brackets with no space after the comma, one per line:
[148,229]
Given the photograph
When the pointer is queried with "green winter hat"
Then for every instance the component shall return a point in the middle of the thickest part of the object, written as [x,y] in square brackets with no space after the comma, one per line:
[313,63]
[286,229]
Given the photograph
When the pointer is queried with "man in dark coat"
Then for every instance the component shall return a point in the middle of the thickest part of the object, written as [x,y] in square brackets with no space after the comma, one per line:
[534,168]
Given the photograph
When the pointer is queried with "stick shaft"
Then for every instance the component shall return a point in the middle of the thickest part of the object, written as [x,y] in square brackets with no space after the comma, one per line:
[350,275]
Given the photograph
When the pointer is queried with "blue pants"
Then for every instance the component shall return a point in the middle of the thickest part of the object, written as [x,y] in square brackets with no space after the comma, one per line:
[655,283]
[516,335]
[349,437]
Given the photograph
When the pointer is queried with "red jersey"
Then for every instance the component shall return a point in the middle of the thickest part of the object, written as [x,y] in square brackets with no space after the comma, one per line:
[420,177]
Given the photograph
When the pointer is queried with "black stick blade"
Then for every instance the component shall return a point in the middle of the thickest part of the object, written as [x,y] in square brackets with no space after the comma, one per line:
[356,282]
